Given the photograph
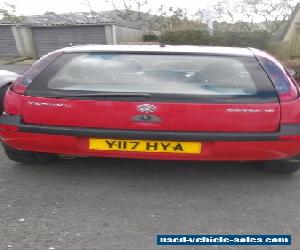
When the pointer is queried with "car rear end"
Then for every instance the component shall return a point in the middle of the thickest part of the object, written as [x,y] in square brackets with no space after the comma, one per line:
[183,104]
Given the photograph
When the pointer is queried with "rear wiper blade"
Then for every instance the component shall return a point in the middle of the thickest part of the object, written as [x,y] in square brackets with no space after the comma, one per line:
[107,94]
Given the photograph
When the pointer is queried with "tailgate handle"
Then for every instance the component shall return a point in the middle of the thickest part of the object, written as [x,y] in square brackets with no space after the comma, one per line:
[146,118]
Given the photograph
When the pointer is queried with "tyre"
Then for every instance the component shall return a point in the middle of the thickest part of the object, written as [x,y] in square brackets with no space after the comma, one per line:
[23,156]
[281,166]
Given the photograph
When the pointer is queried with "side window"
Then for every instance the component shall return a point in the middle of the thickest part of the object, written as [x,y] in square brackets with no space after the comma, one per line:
[277,74]
[38,67]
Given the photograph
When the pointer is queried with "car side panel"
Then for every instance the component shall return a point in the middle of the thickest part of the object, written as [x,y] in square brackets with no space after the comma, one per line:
[13,103]
[290,112]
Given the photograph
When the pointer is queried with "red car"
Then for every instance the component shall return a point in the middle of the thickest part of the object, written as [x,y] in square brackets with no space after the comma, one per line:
[154,102]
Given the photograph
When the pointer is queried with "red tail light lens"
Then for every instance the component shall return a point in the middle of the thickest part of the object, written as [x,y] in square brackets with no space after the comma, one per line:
[290,137]
[23,81]
[283,82]
[18,86]
[8,127]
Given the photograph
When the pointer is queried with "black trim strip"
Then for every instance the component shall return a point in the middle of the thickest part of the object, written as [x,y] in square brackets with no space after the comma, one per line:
[290,129]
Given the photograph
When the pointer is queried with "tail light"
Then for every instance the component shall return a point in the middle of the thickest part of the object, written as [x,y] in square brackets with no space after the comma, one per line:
[284,83]
[290,137]
[8,127]
[23,81]
[18,86]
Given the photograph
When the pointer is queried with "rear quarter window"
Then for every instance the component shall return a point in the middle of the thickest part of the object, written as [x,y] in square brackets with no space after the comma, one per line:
[165,76]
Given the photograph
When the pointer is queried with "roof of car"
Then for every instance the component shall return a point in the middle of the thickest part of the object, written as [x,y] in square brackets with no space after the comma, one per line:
[235,51]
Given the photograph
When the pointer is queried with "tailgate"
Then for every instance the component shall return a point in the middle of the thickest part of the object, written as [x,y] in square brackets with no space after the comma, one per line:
[171,116]
[184,93]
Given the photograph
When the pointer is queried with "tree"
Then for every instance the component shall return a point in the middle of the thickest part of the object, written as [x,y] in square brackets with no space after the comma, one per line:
[131,10]
[94,16]
[8,14]
[205,18]
[137,12]
[162,19]
[247,13]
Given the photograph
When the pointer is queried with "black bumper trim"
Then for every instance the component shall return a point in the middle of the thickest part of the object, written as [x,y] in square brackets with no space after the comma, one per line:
[288,129]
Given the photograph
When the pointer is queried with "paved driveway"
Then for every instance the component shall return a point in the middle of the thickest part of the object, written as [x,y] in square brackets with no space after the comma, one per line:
[18,68]
[110,204]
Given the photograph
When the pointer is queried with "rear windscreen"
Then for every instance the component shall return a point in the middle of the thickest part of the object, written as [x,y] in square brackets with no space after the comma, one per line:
[157,74]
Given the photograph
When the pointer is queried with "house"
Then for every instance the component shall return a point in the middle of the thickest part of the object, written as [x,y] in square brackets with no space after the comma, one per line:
[291,34]
[40,34]
[8,46]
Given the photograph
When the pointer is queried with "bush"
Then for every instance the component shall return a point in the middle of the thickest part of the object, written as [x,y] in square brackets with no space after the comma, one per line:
[150,38]
[257,39]
[280,49]
[192,37]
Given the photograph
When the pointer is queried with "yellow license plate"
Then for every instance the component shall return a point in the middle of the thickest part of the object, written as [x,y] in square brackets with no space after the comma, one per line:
[145,146]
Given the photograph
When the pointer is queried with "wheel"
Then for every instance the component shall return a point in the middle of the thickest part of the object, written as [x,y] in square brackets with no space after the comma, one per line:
[281,166]
[23,156]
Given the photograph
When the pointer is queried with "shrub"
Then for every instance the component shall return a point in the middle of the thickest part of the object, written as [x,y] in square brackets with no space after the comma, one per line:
[150,38]
[193,37]
[257,39]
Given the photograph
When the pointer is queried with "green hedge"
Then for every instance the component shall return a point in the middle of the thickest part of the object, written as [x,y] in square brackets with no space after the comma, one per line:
[150,38]
[193,37]
[255,39]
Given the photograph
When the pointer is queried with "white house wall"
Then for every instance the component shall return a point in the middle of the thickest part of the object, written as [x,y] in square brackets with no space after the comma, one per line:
[290,32]
[126,35]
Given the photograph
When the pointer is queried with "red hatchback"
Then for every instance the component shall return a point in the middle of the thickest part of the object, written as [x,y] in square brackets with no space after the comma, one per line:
[154,102]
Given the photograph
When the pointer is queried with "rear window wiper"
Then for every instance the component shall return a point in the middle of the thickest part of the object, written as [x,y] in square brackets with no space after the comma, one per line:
[107,94]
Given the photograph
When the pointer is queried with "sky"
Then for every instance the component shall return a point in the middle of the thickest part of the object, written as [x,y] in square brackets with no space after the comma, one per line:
[31,7]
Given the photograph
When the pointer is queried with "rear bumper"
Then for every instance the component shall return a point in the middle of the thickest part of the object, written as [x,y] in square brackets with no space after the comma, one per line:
[216,146]
[15,121]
